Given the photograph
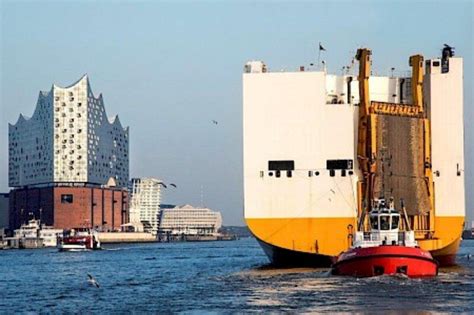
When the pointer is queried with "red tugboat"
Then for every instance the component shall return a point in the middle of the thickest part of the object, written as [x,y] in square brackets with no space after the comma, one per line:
[79,239]
[385,250]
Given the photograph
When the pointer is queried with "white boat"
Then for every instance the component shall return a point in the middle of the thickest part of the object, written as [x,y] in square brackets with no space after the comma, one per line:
[79,239]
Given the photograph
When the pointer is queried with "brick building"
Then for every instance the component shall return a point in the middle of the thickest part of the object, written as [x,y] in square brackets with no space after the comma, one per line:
[69,207]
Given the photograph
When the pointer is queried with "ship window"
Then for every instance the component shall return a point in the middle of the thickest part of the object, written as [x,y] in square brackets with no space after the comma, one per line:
[332,173]
[277,173]
[343,173]
[281,165]
[289,173]
[66,198]
[339,164]
[316,173]
[374,223]
[384,223]
[395,220]
[310,173]
[435,63]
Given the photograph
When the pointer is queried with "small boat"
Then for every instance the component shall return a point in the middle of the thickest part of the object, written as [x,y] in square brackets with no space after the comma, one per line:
[79,239]
[385,250]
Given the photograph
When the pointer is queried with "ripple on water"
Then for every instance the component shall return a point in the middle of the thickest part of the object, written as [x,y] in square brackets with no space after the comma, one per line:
[213,277]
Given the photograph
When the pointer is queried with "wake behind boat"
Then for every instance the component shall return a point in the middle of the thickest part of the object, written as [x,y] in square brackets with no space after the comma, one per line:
[79,239]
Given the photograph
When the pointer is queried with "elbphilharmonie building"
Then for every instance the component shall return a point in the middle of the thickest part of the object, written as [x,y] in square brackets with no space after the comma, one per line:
[68,139]
[69,162]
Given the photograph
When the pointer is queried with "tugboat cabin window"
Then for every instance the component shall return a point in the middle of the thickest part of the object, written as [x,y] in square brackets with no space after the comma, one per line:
[66,198]
[395,220]
[384,222]
[374,223]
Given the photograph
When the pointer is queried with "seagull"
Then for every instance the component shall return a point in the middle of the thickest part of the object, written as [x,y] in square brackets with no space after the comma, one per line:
[214,122]
[162,184]
[92,281]
[468,256]
[173,185]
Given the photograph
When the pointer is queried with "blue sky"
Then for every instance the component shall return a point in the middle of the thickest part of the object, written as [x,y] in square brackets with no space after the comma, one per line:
[169,68]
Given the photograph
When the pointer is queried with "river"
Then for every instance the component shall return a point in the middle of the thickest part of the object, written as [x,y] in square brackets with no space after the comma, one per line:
[213,277]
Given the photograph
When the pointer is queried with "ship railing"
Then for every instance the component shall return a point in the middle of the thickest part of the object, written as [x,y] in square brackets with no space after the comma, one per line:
[389,238]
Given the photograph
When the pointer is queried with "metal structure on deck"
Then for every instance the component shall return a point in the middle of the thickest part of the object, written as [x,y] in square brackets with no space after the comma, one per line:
[398,135]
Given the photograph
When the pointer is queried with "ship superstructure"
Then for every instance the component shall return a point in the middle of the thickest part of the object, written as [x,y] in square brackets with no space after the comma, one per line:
[307,157]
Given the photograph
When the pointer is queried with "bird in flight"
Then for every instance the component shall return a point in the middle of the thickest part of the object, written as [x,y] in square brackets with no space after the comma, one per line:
[214,122]
[173,185]
[162,184]
[92,281]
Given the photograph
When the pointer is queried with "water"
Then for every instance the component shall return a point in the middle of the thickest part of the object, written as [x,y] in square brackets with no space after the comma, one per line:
[217,277]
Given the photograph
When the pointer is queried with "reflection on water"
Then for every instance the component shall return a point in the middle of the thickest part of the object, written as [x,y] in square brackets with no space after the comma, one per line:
[213,277]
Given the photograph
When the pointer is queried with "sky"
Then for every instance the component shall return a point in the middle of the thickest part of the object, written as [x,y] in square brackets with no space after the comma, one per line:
[169,68]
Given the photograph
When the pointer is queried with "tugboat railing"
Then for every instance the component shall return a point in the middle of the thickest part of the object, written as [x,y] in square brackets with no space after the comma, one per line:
[385,238]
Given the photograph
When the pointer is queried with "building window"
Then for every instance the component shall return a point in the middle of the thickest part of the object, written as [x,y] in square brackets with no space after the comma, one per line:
[66,198]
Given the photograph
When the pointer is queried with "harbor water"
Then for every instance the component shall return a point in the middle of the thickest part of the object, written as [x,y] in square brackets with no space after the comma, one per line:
[216,277]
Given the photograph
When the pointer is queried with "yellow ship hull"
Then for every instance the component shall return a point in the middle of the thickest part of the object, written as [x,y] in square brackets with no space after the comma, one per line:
[318,241]
[446,240]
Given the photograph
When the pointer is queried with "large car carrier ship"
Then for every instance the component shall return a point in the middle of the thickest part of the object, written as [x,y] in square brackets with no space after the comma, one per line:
[316,144]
